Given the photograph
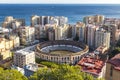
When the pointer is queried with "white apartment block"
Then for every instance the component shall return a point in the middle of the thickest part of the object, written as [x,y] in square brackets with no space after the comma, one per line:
[102,37]
[24,57]
[91,35]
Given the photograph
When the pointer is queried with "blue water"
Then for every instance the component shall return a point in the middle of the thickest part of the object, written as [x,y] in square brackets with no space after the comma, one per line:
[72,11]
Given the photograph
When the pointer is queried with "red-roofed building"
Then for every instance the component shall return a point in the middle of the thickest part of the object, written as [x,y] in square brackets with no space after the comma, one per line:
[113,68]
[92,64]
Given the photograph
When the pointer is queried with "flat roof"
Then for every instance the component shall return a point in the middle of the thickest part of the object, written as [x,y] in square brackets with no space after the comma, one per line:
[24,52]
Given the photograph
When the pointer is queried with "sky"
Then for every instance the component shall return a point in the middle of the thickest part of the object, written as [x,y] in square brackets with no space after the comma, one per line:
[63,1]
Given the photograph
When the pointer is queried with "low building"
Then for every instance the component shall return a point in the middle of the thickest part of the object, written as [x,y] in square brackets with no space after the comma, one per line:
[30,69]
[27,70]
[94,65]
[101,50]
[24,57]
[5,54]
[113,68]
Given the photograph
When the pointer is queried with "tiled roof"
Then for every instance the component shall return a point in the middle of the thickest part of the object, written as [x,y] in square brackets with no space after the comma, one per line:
[91,65]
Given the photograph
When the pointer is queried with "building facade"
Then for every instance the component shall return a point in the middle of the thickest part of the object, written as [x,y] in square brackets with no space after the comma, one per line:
[102,37]
[24,57]
[80,31]
[27,35]
[8,44]
[61,32]
[113,68]
[96,19]
[112,28]
[91,35]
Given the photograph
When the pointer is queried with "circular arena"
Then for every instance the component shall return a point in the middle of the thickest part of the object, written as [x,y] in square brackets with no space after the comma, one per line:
[61,51]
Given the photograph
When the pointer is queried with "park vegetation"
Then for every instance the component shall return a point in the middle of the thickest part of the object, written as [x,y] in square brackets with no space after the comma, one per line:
[55,71]
[52,71]
[11,75]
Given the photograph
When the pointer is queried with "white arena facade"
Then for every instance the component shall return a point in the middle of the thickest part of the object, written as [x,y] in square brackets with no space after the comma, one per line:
[61,51]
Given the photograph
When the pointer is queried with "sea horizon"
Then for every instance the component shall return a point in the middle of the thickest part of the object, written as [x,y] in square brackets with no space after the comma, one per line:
[74,12]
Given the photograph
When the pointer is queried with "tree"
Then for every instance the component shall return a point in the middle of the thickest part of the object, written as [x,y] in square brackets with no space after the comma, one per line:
[62,72]
[114,52]
[11,75]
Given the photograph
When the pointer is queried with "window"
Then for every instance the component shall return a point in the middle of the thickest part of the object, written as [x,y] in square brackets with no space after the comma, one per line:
[111,71]
[51,58]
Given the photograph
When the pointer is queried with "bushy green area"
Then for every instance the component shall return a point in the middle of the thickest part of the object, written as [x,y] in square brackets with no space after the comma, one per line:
[49,64]
[63,72]
[55,71]
[116,50]
[11,75]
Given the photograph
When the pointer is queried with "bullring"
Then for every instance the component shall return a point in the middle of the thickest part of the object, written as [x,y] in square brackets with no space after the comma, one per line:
[61,51]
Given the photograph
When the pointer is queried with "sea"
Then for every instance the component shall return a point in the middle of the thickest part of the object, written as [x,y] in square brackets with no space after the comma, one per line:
[74,12]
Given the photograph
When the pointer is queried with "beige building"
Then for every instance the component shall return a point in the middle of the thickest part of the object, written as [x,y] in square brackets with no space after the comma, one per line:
[5,24]
[35,20]
[40,20]
[112,28]
[16,42]
[102,37]
[100,50]
[37,32]
[9,18]
[13,23]
[51,34]
[40,32]
[5,54]
[43,31]
[113,68]
[118,35]
[24,57]
[27,35]
[6,45]
[61,32]
[97,19]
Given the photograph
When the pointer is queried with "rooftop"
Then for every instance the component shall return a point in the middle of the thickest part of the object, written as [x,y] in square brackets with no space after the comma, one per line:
[115,61]
[92,65]
[24,52]
[101,49]
[31,67]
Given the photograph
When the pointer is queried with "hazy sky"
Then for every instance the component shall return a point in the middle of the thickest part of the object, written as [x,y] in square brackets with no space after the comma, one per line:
[62,1]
